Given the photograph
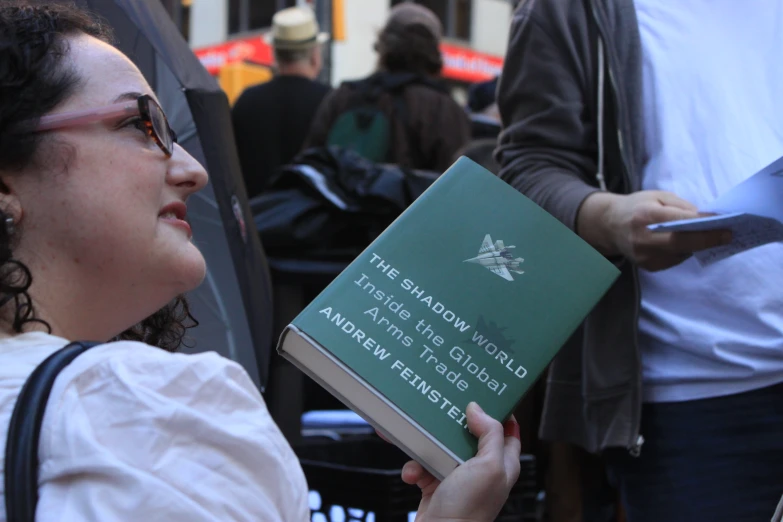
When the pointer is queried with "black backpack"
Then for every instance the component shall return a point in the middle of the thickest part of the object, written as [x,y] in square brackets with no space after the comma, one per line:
[330,203]
[365,128]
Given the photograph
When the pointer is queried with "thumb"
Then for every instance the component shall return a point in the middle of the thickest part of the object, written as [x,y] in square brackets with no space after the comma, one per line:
[668,213]
[488,430]
[670,199]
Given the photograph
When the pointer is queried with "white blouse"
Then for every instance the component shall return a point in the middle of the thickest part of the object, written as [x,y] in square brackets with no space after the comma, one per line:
[135,433]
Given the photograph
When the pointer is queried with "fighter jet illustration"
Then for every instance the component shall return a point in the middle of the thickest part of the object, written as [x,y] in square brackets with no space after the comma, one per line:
[497,258]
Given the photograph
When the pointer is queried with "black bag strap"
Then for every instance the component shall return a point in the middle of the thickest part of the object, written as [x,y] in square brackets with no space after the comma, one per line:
[24,430]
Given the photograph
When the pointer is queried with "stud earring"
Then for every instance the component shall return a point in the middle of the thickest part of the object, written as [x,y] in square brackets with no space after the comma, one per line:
[9,225]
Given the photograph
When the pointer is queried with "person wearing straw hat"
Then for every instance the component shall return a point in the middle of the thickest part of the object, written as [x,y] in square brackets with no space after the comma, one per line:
[271,120]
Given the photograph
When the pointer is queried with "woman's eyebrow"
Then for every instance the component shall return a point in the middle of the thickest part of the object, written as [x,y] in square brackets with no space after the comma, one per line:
[127,96]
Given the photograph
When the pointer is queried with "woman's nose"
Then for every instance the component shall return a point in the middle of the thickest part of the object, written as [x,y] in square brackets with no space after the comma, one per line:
[185,172]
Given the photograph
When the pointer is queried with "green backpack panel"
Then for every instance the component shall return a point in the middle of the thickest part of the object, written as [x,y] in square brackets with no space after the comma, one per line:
[366,130]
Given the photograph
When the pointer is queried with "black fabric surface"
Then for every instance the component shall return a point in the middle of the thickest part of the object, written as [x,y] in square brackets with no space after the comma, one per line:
[271,122]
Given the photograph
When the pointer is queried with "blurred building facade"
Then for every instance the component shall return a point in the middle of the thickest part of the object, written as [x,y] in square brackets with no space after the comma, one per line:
[227,35]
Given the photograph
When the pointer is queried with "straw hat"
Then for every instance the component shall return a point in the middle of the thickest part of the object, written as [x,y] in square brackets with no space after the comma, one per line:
[295,28]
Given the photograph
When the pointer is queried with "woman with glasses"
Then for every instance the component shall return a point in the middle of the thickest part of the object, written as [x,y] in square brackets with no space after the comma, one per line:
[95,245]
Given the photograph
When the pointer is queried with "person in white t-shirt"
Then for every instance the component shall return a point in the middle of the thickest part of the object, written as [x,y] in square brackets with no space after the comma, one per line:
[620,114]
[94,245]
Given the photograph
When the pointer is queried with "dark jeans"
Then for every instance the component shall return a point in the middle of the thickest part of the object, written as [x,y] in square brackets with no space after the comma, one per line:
[711,460]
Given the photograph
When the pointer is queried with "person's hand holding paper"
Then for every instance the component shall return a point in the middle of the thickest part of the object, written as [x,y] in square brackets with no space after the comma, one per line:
[619,224]
[752,211]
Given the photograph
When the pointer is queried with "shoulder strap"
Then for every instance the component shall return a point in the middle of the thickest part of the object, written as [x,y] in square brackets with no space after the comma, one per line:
[394,85]
[397,86]
[21,449]
[401,112]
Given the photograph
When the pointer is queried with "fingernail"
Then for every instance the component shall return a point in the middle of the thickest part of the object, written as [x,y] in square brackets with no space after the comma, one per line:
[511,428]
[475,406]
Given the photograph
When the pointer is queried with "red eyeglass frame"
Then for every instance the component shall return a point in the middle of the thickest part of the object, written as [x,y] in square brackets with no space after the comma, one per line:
[140,106]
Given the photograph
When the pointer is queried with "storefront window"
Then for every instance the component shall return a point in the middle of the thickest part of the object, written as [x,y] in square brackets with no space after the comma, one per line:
[462,10]
[251,15]
[453,14]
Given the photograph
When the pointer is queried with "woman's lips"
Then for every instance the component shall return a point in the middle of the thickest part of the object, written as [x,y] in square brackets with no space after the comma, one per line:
[175,214]
[180,223]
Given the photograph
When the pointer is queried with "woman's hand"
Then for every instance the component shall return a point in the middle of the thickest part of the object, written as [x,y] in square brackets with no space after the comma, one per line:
[476,490]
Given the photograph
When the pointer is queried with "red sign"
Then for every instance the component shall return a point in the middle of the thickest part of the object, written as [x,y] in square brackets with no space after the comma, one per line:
[460,63]
[253,49]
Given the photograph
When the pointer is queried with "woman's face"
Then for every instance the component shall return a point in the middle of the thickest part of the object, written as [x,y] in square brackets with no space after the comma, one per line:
[95,230]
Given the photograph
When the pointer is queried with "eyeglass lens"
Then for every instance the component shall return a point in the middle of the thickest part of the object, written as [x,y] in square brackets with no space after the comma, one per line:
[161,127]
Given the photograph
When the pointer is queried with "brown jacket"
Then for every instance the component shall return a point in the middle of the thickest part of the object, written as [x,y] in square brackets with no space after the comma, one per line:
[436,125]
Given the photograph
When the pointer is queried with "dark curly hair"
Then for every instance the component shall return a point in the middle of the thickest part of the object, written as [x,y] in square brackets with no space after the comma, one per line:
[409,48]
[33,81]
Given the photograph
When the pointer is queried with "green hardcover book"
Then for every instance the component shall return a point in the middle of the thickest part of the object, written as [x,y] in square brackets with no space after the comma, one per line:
[467,296]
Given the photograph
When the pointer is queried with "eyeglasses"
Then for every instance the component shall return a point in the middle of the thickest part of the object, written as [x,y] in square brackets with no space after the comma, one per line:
[151,114]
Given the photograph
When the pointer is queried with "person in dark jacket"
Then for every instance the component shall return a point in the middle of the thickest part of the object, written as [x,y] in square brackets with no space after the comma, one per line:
[619,114]
[434,126]
[271,120]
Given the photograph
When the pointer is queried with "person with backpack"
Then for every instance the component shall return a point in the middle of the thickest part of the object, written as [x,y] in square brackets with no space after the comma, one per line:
[403,113]
[619,114]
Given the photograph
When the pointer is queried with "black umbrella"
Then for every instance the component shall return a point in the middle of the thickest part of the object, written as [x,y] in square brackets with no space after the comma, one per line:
[234,304]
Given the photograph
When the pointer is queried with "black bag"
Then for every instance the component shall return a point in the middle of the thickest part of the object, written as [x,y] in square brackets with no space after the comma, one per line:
[331,203]
[24,430]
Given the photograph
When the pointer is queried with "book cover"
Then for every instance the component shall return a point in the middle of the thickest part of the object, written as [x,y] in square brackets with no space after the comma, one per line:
[467,296]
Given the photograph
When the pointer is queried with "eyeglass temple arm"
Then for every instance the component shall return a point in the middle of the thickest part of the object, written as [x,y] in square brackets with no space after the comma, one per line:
[83,117]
